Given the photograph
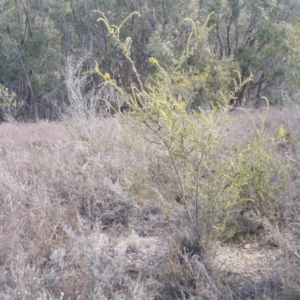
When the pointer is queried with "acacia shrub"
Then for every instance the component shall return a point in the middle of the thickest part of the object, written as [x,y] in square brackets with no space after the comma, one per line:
[204,174]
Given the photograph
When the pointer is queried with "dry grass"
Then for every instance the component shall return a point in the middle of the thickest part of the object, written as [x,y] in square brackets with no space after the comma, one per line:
[71,227]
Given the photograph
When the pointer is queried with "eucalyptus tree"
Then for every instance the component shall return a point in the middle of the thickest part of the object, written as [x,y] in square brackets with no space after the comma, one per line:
[261,36]
[30,58]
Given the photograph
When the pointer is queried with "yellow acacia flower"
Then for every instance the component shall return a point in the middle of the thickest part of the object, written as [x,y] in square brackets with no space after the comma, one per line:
[281,132]
[96,69]
[153,60]
[180,106]
[106,76]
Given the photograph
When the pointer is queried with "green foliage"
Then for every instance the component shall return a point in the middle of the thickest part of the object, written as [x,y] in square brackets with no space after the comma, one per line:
[31,57]
[258,36]
[265,179]
[7,103]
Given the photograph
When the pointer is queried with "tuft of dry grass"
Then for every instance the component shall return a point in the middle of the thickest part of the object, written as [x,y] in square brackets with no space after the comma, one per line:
[75,223]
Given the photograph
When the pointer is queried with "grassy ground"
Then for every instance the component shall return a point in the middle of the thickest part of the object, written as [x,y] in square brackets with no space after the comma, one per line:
[76,224]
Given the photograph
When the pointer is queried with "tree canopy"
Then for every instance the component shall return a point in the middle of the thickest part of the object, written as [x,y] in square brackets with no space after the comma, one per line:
[240,38]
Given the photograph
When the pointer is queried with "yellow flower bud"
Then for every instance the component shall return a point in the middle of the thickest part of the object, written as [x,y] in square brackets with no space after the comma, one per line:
[106,76]
[152,60]
[96,69]
[281,132]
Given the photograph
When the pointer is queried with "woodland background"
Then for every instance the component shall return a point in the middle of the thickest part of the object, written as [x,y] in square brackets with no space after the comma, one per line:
[39,40]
